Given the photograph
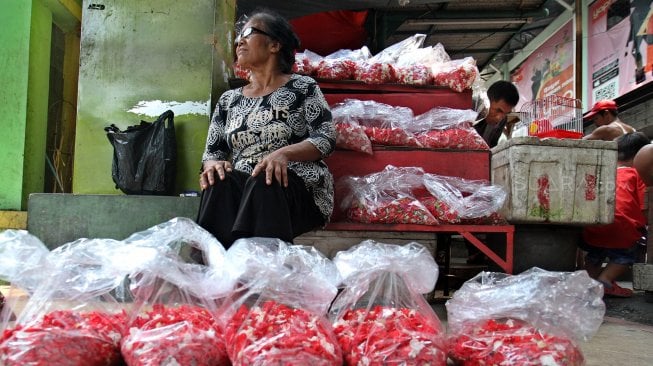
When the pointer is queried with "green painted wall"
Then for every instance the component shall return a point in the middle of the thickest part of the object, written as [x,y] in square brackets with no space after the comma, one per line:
[24,72]
[37,100]
[14,63]
[137,54]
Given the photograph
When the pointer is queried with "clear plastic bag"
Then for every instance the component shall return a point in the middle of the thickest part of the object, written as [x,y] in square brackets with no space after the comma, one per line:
[22,258]
[391,54]
[307,62]
[415,74]
[78,313]
[441,118]
[351,135]
[335,69]
[386,197]
[423,56]
[361,54]
[459,200]
[72,317]
[458,75]
[374,72]
[278,314]
[414,66]
[175,298]
[408,195]
[447,128]
[383,124]
[380,317]
[535,317]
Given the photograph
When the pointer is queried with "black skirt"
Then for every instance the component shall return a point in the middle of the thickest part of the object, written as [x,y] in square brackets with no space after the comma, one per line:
[242,206]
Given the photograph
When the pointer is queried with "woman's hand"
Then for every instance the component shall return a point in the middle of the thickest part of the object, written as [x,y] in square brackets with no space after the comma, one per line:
[210,168]
[274,165]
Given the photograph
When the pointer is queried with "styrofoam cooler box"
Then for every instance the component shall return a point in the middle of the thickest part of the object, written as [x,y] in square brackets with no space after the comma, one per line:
[559,181]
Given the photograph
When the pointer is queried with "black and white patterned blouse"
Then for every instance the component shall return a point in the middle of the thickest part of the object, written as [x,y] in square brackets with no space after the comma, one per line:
[246,129]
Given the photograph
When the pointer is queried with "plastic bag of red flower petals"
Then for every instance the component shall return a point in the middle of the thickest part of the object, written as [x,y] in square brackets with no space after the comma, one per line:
[509,341]
[391,136]
[71,317]
[173,317]
[414,75]
[306,62]
[458,75]
[383,124]
[534,318]
[386,197]
[380,317]
[64,337]
[181,335]
[374,73]
[423,56]
[278,315]
[467,198]
[338,69]
[447,128]
[351,135]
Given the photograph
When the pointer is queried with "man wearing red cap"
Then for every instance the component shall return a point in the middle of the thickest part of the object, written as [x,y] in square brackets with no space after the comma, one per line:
[608,125]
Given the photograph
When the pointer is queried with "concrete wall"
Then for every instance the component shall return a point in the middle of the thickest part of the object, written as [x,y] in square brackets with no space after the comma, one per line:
[640,117]
[138,59]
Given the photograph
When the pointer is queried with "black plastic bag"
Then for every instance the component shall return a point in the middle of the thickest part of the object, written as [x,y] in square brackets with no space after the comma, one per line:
[145,156]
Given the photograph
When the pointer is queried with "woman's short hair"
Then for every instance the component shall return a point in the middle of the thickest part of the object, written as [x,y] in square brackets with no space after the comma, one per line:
[629,144]
[281,30]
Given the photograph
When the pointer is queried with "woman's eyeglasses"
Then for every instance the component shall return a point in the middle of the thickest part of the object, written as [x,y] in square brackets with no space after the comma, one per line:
[248,32]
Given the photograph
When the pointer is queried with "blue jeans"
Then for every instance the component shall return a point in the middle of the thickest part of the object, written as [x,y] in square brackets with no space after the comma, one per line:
[596,255]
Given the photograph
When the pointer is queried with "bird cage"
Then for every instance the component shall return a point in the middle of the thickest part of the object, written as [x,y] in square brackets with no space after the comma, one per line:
[553,116]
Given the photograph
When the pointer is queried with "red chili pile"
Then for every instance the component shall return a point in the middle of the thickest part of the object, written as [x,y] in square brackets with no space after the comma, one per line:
[390,336]
[64,337]
[276,334]
[184,335]
[511,342]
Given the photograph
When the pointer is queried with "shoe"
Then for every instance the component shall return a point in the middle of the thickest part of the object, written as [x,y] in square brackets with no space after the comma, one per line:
[614,290]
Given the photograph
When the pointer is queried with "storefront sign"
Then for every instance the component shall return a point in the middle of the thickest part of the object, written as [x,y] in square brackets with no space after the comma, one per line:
[549,70]
[620,47]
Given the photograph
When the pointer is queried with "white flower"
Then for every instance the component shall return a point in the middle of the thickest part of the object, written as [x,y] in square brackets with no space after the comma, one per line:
[415,348]
[548,360]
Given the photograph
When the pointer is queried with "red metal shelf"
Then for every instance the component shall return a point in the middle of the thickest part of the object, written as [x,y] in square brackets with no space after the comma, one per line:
[466,231]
